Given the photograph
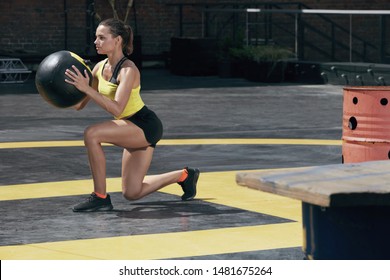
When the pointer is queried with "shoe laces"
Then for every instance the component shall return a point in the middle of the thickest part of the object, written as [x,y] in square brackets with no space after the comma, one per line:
[92,197]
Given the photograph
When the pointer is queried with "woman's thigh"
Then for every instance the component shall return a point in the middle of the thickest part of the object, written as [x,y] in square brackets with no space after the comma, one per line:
[117,132]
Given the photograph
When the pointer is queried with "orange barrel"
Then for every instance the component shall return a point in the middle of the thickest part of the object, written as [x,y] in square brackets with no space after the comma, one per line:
[366,124]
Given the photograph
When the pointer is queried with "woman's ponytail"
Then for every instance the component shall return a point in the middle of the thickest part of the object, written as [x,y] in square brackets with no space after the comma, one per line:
[128,46]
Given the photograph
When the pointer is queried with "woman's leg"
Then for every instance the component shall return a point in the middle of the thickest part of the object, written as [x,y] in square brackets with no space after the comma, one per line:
[118,132]
[135,164]
[136,160]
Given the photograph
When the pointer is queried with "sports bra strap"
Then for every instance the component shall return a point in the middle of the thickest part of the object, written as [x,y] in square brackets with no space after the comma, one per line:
[116,70]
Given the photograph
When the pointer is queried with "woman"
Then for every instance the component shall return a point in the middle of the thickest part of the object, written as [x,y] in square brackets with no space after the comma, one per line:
[116,88]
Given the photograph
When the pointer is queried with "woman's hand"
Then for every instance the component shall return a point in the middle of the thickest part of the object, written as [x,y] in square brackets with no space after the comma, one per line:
[76,78]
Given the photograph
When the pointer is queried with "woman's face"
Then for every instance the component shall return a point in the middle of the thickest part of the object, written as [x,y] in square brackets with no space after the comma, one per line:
[105,42]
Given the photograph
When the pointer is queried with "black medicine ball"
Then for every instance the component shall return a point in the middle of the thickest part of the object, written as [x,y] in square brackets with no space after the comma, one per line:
[50,79]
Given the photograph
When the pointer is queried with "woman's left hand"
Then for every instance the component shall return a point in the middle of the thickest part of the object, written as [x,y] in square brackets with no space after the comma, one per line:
[76,78]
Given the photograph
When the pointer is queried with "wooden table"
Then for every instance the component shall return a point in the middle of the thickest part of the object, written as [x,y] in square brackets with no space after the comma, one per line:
[345,207]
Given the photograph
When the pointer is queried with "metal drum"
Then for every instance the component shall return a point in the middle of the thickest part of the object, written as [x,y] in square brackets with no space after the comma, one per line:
[366,124]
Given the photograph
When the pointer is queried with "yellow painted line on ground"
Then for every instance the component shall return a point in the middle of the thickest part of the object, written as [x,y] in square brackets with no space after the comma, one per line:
[176,142]
[250,141]
[221,188]
[163,246]
[53,189]
[41,144]
[214,187]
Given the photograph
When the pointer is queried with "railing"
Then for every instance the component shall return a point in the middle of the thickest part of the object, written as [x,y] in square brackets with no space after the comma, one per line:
[300,26]
[293,25]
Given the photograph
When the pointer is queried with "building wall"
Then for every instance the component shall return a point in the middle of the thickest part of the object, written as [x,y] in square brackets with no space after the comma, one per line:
[40,27]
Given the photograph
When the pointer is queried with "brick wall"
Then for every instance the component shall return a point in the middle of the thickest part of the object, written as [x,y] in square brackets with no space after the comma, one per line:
[31,26]
[39,27]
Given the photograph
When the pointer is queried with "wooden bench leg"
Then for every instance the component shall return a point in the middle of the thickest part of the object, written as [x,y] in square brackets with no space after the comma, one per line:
[346,233]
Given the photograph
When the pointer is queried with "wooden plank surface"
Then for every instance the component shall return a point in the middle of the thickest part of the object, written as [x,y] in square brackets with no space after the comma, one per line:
[353,184]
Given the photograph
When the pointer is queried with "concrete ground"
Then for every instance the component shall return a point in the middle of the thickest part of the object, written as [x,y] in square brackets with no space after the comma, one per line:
[219,125]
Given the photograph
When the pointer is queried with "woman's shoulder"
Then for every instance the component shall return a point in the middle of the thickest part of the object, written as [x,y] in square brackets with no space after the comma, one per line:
[129,70]
[101,62]
[128,63]
[129,66]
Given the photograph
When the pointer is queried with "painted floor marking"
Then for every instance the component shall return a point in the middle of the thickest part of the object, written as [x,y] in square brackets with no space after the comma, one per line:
[216,187]
[177,142]
[169,245]
[163,246]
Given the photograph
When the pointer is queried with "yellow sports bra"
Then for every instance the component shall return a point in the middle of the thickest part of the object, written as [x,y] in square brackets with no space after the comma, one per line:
[135,102]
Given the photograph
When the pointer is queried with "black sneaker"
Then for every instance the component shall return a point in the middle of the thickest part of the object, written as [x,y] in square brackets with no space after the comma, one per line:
[94,203]
[189,184]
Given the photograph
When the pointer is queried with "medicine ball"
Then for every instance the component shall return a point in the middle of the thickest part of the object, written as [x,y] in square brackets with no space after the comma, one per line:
[50,79]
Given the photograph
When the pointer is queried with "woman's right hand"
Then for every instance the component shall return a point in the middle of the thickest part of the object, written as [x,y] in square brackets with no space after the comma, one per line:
[78,79]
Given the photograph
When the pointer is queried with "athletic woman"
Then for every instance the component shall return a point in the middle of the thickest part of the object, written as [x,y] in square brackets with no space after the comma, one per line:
[136,128]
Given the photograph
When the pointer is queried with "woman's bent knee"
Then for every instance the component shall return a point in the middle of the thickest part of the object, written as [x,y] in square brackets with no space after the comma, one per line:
[90,134]
[131,195]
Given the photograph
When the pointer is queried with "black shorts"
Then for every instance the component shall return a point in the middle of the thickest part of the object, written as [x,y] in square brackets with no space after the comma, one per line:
[148,121]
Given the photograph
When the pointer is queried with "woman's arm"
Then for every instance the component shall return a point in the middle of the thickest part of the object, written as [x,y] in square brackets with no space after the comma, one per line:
[79,106]
[127,77]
